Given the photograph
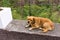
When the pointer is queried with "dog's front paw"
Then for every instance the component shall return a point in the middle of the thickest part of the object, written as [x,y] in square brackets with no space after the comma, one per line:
[30,28]
[26,26]
[40,28]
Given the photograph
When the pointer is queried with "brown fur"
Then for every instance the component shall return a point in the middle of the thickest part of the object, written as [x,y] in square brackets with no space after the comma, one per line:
[47,24]
[44,24]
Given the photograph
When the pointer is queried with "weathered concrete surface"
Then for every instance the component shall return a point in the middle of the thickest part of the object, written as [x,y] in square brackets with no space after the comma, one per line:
[19,26]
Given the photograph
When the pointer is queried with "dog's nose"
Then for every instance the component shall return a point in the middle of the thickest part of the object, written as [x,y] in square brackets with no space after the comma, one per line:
[28,21]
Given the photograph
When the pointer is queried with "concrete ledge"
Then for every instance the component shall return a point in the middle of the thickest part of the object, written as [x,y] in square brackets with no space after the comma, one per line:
[16,31]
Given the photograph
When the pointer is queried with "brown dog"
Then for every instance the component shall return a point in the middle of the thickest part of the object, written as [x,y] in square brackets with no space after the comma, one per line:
[34,22]
[38,22]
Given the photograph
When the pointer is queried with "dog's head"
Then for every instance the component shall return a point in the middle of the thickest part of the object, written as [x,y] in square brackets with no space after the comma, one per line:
[31,19]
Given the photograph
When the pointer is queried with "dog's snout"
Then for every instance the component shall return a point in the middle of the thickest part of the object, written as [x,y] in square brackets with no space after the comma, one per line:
[28,21]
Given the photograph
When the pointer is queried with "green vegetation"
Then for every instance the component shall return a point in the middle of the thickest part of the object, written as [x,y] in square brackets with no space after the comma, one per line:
[21,12]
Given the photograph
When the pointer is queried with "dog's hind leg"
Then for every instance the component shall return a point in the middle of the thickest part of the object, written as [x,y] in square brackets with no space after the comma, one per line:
[46,27]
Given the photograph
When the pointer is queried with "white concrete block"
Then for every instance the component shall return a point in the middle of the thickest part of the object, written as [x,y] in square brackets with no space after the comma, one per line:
[5,17]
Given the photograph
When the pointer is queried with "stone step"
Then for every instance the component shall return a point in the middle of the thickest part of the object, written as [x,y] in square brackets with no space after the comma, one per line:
[16,31]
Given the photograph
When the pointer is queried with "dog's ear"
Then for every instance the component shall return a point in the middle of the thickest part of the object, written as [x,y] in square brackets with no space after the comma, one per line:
[33,21]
